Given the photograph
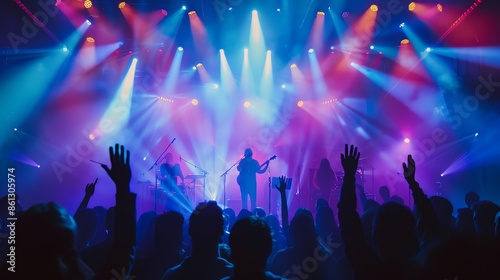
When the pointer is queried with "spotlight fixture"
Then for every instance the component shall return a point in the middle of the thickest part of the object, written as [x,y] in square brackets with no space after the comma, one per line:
[184,8]
[180,49]
[372,47]
[412,6]
[402,25]
[439,8]
[405,42]
[90,40]
[407,140]
[192,13]
[311,50]
[247,104]
[122,5]
[87,4]
[194,102]
[374,8]
[300,103]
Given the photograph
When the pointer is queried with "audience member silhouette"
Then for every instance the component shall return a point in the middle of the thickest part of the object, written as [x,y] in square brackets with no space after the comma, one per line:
[306,252]
[444,212]
[205,229]
[86,219]
[259,212]
[471,198]
[94,256]
[251,244]
[393,234]
[100,233]
[46,235]
[167,250]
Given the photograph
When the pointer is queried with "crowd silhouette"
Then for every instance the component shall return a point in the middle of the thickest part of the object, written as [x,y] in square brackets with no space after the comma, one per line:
[386,240]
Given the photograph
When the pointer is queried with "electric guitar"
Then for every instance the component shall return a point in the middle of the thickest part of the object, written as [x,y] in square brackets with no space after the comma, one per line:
[238,179]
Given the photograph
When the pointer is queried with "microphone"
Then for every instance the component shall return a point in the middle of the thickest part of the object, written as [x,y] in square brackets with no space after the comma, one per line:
[173,140]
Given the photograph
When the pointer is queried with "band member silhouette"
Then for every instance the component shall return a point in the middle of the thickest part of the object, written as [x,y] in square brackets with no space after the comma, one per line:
[324,180]
[169,172]
[247,179]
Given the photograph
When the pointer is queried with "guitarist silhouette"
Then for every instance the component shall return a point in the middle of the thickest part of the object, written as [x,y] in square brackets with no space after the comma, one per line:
[247,179]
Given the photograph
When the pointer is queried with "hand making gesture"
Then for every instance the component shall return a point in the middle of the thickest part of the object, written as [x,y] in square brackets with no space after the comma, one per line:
[350,160]
[120,168]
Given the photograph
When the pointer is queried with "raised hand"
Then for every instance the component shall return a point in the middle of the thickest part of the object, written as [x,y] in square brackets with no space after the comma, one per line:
[409,170]
[120,168]
[90,188]
[350,160]
[282,187]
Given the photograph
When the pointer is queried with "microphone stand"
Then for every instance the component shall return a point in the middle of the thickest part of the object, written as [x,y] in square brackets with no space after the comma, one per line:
[204,176]
[156,171]
[224,175]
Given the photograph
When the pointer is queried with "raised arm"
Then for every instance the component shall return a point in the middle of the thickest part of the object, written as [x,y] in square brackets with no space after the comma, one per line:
[284,206]
[427,221]
[89,192]
[362,259]
[121,255]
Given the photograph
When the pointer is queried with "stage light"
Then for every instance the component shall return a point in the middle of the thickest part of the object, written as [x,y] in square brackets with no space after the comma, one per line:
[283,86]
[374,8]
[254,12]
[412,6]
[300,103]
[184,8]
[64,49]
[87,4]
[402,25]
[247,104]
[293,65]
[88,22]
[278,10]
[321,13]
[221,51]
[442,175]
[372,47]
[122,5]
[439,7]
[164,12]
[194,67]
[38,166]
[192,13]
[407,140]
[134,60]
[245,50]
[405,42]
[332,48]
[215,86]
[311,50]
[428,50]
[477,134]
[144,158]
[345,14]
[90,40]
[199,65]
[230,8]
[15,128]
[180,49]
[91,136]
[194,102]
[352,63]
